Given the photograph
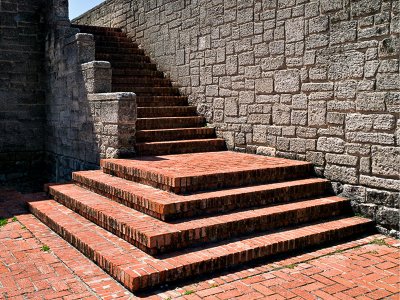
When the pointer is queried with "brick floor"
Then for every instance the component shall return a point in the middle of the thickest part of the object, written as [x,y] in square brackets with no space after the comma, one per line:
[367,268]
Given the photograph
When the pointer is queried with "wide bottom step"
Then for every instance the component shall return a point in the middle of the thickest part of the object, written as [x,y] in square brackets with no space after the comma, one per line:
[137,270]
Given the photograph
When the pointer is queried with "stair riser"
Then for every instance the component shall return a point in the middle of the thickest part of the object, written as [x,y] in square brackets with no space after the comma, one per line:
[122,57]
[119,50]
[151,91]
[185,238]
[115,44]
[141,81]
[134,65]
[155,123]
[161,102]
[154,112]
[134,282]
[212,205]
[214,181]
[180,147]
[168,135]
[137,73]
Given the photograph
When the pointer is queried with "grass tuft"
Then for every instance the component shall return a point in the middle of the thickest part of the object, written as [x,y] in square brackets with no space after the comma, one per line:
[45,248]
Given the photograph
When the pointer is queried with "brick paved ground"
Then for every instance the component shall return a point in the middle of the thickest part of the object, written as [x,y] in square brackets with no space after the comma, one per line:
[367,268]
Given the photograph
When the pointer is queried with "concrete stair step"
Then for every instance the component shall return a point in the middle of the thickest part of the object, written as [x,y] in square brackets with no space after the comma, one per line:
[180,146]
[155,237]
[161,101]
[169,122]
[175,134]
[205,171]
[166,111]
[169,206]
[113,57]
[146,91]
[136,269]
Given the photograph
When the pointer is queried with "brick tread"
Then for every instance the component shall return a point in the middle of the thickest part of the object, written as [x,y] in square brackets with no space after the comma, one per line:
[166,111]
[141,81]
[151,91]
[137,270]
[169,122]
[121,50]
[133,65]
[114,57]
[202,171]
[175,134]
[180,147]
[154,236]
[137,72]
[157,101]
[168,206]
[91,28]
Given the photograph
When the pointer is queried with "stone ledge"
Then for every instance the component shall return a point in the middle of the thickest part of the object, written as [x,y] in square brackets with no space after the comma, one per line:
[112,96]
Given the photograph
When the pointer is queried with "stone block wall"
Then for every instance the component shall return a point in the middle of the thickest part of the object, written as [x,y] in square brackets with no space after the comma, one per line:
[316,80]
[22,97]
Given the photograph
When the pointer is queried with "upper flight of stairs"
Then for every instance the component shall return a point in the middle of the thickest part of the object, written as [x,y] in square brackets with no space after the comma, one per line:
[165,124]
[157,219]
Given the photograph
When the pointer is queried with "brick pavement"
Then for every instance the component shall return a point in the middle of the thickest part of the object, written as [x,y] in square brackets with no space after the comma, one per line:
[367,268]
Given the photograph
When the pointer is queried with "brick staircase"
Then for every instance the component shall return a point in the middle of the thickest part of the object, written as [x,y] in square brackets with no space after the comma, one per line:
[157,219]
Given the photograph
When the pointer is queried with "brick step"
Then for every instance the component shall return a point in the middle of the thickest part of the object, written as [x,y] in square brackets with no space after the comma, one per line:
[137,72]
[169,122]
[127,43]
[120,50]
[175,134]
[155,237]
[136,269]
[91,28]
[169,206]
[112,39]
[161,101]
[113,57]
[133,65]
[146,91]
[204,171]
[141,81]
[166,111]
[180,147]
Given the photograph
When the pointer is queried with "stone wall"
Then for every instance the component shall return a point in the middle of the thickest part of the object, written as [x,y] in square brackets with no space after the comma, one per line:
[22,97]
[316,80]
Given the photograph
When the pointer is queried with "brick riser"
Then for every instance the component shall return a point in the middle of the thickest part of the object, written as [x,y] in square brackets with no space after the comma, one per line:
[168,206]
[158,135]
[155,237]
[137,270]
[207,182]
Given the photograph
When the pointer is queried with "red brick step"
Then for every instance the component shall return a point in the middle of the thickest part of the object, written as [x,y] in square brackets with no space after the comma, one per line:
[137,72]
[146,91]
[166,111]
[154,236]
[114,57]
[175,134]
[180,146]
[168,206]
[204,171]
[169,122]
[121,49]
[141,81]
[157,101]
[137,270]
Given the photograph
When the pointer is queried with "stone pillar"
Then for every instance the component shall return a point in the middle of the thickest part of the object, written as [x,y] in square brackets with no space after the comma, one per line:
[97,76]
[114,118]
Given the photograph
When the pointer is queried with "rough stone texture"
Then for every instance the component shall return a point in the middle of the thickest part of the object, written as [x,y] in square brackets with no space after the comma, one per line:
[22,97]
[315,80]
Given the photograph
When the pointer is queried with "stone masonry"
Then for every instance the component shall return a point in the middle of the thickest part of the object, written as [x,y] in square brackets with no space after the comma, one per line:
[22,98]
[311,80]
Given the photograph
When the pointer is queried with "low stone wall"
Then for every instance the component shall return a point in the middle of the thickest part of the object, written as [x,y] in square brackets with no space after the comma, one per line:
[316,80]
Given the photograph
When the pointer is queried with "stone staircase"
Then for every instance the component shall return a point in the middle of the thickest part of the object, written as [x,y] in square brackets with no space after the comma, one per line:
[157,219]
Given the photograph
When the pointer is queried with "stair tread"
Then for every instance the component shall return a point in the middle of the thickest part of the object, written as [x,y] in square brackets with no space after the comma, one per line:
[195,171]
[176,129]
[181,141]
[138,270]
[158,236]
